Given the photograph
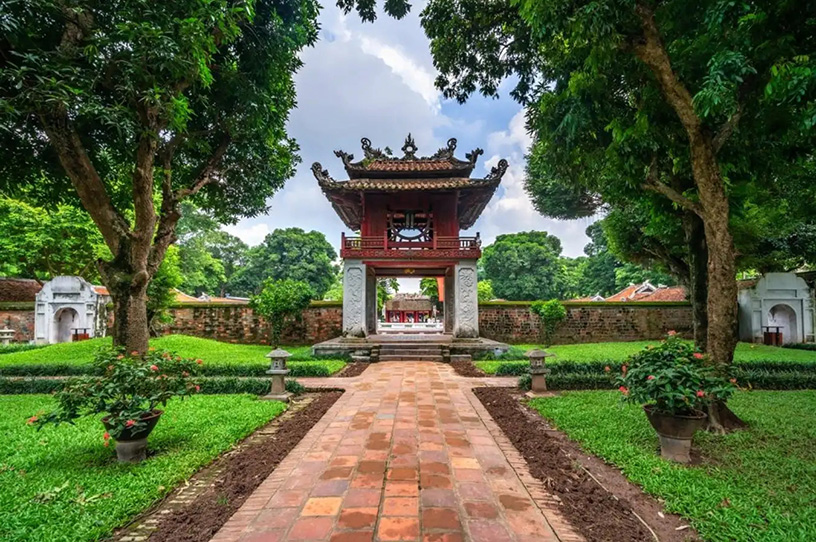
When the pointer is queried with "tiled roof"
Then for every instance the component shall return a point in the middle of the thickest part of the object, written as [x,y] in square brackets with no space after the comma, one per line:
[442,183]
[18,290]
[669,293]
[181,297]
[626,294]
[413,165]
[101,290]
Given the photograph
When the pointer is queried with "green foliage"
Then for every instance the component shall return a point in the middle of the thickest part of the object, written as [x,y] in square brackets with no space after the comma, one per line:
[673,378]
[208,256]
[44,242]
[18,347]
[62,484]
[551,314]
[289,253]
[386,288]
[484,289]
[753,484]
[523,266]
[294,387]
[280,301]
[161,292]
[125,388]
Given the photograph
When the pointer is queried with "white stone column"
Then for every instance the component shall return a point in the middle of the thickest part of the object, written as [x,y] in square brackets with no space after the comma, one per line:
[371,303]
[354,298]
[450,302]
[466,321]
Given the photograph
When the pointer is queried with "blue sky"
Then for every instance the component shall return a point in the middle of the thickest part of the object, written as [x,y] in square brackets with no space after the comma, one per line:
[376,81]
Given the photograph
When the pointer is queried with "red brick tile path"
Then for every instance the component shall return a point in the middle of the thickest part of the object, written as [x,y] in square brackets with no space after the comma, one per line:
[407,454]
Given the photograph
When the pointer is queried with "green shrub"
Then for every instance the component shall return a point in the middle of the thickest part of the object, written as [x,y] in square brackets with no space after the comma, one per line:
[801,346]
[551,313]
[525,382]
[294,387]
[19,347]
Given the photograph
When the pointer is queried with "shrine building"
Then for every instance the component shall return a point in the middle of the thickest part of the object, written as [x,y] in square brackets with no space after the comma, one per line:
[409,213]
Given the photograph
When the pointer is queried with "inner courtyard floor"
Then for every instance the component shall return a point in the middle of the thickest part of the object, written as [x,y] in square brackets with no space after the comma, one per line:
[407,453]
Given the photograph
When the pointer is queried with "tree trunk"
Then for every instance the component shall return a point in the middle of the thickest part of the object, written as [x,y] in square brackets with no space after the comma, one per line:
[698,276]
[128,291]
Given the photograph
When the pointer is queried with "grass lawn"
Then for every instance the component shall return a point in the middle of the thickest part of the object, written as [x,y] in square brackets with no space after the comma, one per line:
[61,484]
[619,351]
[215,354]
[758,484]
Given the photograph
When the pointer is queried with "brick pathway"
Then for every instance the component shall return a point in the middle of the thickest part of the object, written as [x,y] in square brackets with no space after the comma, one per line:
[407,453]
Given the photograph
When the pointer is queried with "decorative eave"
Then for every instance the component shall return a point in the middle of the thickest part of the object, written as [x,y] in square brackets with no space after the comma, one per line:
[377,163]
[347,196]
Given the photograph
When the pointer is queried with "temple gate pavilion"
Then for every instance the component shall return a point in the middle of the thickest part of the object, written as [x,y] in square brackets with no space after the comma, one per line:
[409,212]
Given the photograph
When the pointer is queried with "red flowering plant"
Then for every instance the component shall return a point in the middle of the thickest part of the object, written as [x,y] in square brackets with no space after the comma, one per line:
[127,388]
[673,378]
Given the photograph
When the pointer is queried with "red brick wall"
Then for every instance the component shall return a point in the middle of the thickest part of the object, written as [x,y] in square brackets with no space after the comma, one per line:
[21,320]
[587,322]
[238,324]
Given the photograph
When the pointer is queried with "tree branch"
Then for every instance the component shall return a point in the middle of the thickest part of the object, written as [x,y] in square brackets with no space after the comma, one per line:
[727,129]
[654,184]
[84,177]
[206,175]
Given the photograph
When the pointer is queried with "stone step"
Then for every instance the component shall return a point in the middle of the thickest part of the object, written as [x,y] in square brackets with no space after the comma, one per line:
[461,357]
[411,351]
[404,357]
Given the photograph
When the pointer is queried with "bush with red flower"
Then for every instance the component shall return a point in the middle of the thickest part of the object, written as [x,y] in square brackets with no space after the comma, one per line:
[127,388]
[673,378]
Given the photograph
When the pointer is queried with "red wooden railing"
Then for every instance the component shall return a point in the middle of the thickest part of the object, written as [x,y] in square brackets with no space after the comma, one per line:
[384,243]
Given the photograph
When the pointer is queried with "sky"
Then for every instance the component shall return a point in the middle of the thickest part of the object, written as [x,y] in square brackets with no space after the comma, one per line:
[377,81]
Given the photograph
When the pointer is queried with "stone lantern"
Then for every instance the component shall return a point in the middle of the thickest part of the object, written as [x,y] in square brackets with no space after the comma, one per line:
[278,371]
[538,370]
[6,335]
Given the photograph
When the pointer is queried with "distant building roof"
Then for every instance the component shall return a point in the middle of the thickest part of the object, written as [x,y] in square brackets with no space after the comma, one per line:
[181,297]
[13,289]
[409,302]
[649,292]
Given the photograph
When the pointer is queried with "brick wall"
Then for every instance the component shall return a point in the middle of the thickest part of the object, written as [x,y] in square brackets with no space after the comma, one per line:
[587,322]
[20,318]
[238,324]
[507,322]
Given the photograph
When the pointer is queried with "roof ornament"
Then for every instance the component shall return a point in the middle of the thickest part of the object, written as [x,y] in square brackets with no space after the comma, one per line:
[322,175]
[409,148]
[369,152]
[344,156]
[498,171]
[446,153]
[474,155]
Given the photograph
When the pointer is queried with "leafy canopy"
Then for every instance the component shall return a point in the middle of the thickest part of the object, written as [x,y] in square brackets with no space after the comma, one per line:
[281,301]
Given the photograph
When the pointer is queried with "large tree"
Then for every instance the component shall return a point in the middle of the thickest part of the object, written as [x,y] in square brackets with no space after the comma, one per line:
[139,105]
[289,253]
[696,104]
[524,266]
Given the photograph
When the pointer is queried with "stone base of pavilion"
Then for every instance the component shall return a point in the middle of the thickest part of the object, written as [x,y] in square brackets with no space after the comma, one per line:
[350,346]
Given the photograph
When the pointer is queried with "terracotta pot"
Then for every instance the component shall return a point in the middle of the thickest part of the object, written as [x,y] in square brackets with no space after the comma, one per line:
[675,432]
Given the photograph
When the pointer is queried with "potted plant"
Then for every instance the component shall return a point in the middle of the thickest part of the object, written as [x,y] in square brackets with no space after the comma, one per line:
[128,389]
[674,384]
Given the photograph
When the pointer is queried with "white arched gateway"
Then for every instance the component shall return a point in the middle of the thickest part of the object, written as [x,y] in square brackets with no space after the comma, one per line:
[69,307]
[778,300]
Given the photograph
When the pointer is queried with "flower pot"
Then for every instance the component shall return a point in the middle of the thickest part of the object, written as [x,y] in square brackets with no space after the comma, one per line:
[675,432]
[131,446]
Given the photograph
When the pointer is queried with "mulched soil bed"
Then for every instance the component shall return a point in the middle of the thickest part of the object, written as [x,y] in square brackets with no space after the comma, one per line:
[355,368]
[243,473]
[466,368]
[597,514]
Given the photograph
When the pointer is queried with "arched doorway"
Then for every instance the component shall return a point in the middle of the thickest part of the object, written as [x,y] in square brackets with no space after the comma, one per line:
[784,316]
[65,320]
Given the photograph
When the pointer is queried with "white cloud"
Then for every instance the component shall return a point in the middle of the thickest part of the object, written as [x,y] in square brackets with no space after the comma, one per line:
[251,234]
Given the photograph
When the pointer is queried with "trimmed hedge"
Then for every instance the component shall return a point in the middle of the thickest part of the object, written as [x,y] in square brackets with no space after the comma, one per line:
[300,368]
[801,346]
[516,368]
[210,386]
[19,347]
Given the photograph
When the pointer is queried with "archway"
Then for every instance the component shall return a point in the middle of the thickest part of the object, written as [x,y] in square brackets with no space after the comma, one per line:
[65,320]
[784,316]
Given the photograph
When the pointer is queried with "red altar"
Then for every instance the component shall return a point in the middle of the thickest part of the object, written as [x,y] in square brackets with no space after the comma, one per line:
[409,213]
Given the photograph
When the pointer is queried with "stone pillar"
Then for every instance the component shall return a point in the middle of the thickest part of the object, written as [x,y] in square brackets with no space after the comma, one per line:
[371,303]
[354,298]
[449,305]
[466,322]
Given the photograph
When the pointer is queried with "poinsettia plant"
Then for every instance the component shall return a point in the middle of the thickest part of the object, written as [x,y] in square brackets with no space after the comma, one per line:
[126,388]
[673,378]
